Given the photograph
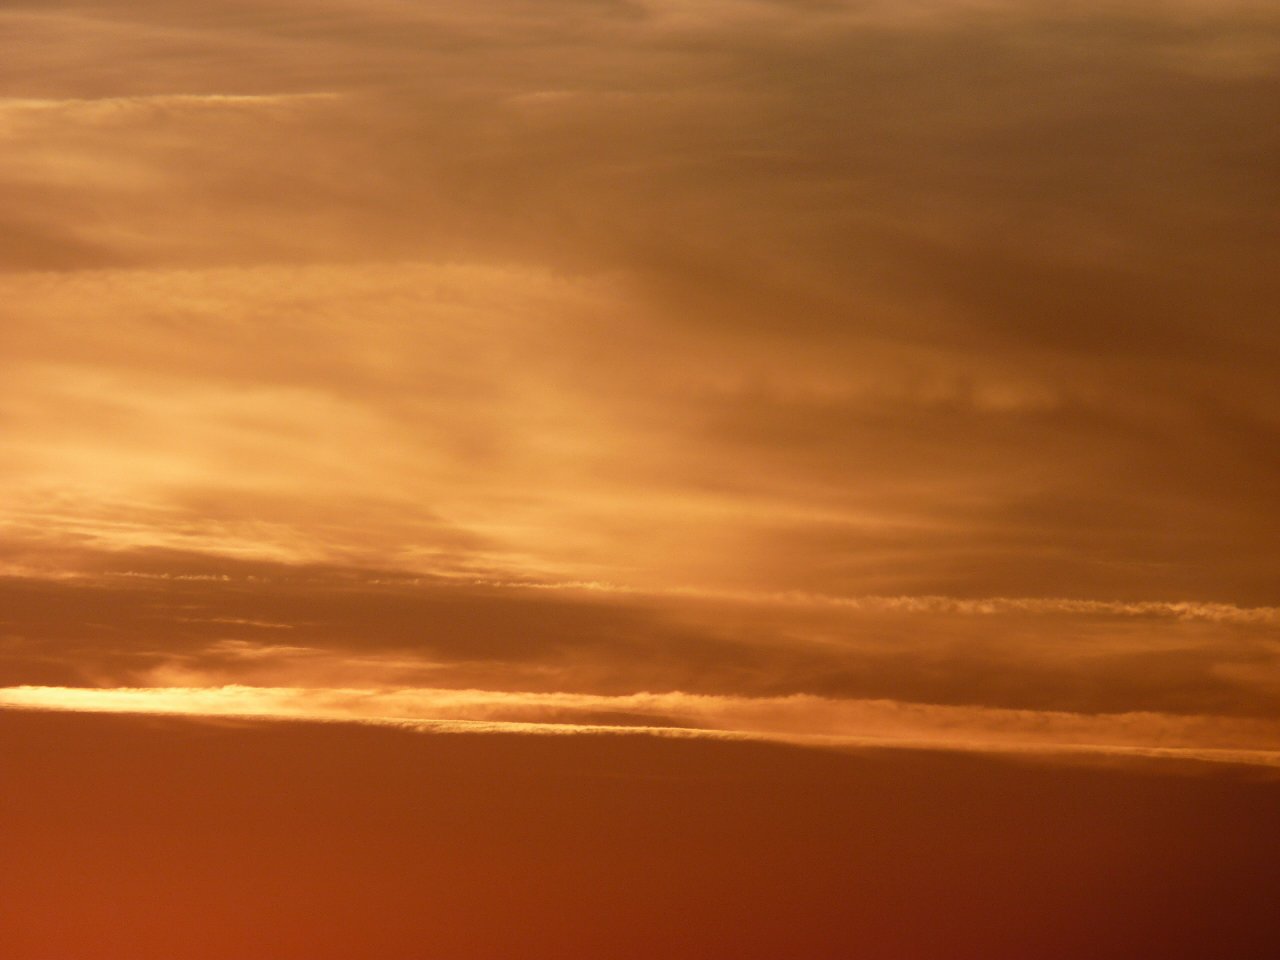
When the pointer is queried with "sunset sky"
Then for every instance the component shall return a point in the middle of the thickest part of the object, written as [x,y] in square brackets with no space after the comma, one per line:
[639,478]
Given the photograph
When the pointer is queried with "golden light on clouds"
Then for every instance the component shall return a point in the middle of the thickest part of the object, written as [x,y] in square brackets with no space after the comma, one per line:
[799,719]
[785,384]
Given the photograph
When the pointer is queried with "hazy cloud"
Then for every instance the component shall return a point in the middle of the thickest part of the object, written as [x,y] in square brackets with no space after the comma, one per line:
[960,311]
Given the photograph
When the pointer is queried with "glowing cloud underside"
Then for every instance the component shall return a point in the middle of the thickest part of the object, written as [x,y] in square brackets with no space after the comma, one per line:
[796,719]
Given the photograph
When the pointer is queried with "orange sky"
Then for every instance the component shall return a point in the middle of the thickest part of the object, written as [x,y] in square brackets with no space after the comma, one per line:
[823,385]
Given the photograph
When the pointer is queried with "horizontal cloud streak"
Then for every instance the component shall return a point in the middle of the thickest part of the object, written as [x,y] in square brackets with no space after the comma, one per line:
[144,101]
[967,606]
[801,719]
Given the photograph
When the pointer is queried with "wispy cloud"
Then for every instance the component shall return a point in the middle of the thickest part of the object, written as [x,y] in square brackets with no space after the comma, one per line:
[965,606]
[798,719]
[94,105]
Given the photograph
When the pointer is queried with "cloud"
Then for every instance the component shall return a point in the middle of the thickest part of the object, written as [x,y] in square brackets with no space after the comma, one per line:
[510,414]
[145,618]
[1180,610]
[794,719]
[90,109]
[916,351]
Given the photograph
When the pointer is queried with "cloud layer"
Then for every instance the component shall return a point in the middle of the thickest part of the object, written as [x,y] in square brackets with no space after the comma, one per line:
[919,352]
[796,719]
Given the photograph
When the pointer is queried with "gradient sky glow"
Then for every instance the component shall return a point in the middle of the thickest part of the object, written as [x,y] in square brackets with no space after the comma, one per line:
[871,397]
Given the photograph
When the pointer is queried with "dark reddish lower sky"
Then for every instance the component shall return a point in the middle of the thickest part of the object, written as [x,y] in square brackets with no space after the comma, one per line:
[126,838]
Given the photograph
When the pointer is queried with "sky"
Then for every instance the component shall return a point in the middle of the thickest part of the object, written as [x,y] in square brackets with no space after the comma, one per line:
[729,420]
